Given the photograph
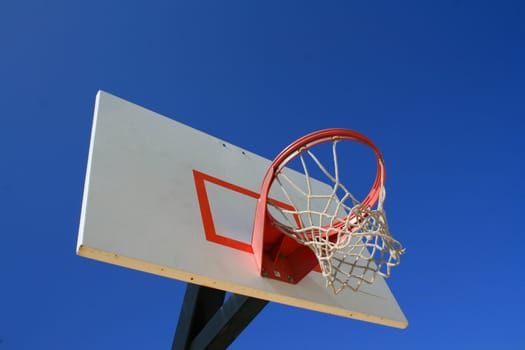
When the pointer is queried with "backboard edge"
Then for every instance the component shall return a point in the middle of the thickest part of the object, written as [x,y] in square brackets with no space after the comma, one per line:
[168,272]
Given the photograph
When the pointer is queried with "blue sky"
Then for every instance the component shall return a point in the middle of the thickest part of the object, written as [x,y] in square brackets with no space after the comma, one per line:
[439,86]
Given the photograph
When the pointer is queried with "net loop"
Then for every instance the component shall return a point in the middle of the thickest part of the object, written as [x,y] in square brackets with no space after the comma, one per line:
[350,238]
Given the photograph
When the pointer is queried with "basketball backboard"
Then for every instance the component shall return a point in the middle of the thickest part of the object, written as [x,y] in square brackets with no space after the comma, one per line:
[164,198]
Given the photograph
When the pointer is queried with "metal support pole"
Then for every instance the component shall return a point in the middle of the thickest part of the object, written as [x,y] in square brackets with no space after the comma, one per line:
[200,304]
[207,321]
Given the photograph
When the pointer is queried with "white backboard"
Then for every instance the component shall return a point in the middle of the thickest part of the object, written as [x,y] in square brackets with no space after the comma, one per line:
[164,198]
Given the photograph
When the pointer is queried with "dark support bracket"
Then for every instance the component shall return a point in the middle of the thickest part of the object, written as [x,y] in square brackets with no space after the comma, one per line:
[200,304]
[207,321]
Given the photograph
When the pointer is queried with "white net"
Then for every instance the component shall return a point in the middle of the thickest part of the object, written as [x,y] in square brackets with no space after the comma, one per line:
[351,241]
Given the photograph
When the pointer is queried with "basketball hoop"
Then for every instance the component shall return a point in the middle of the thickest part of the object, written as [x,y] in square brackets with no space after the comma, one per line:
[350,239]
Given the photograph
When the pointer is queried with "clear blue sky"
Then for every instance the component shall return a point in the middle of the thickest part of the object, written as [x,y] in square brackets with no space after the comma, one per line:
[439,86]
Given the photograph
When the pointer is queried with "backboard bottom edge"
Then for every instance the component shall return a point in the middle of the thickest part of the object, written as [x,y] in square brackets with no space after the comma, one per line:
[171,273]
